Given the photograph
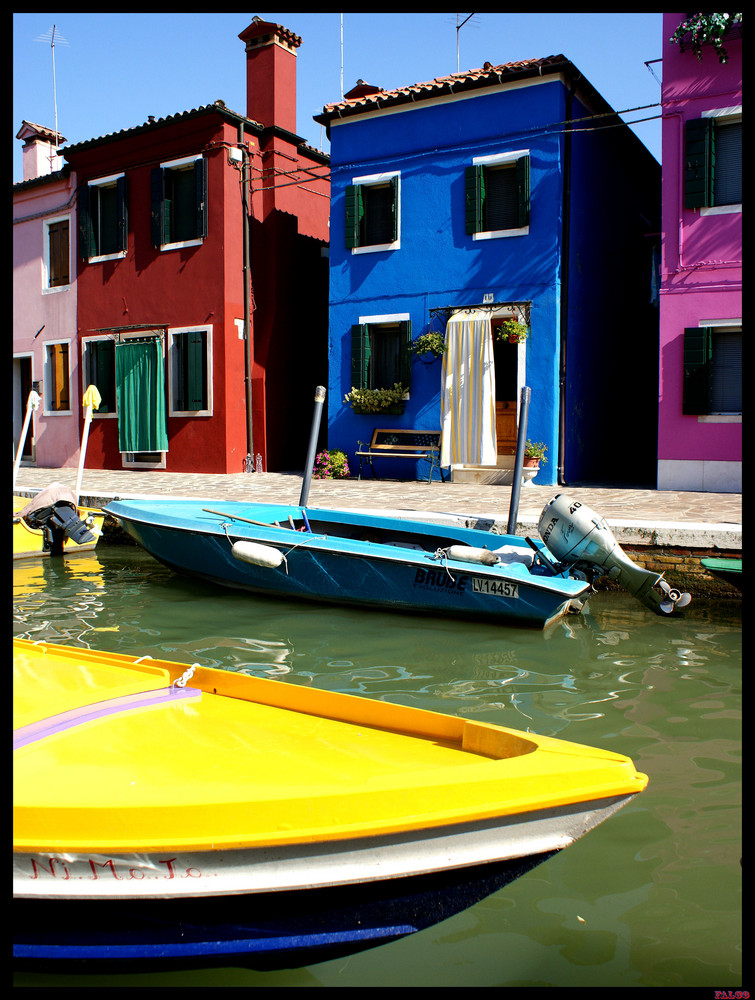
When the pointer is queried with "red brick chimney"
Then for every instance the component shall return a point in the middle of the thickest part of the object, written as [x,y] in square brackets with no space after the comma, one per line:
[271,73]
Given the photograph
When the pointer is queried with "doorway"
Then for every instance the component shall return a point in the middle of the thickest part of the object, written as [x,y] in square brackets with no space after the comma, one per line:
[506,360]
[22,386]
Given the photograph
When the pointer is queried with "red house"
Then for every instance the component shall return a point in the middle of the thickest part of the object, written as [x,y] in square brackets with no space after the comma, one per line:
[205,338]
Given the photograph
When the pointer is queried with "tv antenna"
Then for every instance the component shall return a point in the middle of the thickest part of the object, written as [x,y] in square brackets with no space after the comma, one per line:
[459,26]
[53,36]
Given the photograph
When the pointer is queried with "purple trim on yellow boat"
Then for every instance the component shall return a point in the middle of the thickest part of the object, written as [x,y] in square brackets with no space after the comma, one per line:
[76,716]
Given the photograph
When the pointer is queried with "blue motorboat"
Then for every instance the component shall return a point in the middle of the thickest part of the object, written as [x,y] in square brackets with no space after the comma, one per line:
[369,560]
[356,558]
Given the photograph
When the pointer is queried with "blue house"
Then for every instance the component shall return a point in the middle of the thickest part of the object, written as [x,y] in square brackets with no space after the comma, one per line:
[511,192]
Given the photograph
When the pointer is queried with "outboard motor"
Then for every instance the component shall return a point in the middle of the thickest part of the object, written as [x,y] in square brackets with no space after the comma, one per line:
[579,538]
[54,510]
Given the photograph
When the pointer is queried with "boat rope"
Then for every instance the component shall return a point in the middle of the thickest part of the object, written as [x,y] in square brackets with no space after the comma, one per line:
[185,677]
[442,556]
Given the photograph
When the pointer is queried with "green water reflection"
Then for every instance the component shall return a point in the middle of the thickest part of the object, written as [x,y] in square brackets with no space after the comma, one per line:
[650,898]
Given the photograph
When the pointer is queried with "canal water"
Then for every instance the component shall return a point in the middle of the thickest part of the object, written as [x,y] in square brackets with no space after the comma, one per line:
[650,898]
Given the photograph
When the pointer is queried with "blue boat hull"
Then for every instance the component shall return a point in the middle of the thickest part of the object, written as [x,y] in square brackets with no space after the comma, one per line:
[367,561]
[270,931]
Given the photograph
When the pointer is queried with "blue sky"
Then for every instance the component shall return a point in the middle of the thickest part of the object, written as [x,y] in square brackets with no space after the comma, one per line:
[114,70]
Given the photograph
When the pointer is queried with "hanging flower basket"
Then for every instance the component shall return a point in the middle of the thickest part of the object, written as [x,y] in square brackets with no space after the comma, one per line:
[428,347]
[513,331]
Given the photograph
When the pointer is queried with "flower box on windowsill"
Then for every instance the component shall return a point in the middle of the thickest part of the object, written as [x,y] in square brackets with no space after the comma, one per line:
[394,408]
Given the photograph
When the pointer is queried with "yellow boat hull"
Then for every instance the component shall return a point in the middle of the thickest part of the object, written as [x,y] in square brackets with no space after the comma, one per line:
[131,779]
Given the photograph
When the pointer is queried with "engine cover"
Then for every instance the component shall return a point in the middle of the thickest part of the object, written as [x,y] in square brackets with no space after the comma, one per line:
[580,538]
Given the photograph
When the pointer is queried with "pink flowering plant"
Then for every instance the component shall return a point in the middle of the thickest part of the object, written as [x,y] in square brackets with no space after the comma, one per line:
[331,465]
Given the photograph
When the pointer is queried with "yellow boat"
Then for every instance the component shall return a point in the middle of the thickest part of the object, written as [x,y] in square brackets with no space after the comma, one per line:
[265,823]
[52,524]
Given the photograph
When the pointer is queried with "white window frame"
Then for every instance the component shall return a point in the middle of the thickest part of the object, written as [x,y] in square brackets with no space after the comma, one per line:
[101,182]
[47,289]
[732,115]
[46,379]
[500,160]
[374,180]
[88,340]
[184,161]
[172,332]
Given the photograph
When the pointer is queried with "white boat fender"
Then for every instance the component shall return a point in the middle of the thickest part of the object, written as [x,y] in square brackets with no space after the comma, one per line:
[468,553]
[257,555]
[514,554]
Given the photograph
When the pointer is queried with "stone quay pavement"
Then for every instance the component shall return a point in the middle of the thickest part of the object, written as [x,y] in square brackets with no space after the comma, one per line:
[640,516]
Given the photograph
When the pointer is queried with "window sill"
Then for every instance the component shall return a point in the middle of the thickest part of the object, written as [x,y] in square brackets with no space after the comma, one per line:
[55,289]
[57,413]
[720,418]
[721,210]
[190,413]
[106,256]
[377,247]
[497,234]
[181,244]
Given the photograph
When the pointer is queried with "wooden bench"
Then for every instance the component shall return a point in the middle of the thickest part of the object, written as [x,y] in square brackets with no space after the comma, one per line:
[401,444]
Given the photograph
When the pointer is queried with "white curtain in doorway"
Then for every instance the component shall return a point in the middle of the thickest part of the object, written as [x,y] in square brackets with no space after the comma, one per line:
[468,391]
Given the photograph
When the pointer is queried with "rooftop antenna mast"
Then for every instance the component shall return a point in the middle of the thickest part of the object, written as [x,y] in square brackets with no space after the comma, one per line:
[53,35]
[458,29]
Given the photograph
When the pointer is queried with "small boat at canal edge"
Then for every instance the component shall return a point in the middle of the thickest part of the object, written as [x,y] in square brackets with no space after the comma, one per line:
[52,523]
[372,560]
[192,814]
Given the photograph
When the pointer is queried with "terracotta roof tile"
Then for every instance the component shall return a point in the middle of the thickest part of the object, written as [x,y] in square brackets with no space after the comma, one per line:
[365,97]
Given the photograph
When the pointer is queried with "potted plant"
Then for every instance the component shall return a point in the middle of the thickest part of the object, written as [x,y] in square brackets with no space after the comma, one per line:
[534,454]
[513,331]
[377,400]
[331,465]
[429,346]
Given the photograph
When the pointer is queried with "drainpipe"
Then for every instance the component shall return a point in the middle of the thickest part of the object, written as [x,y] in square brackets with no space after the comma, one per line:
[247,291]
[564,304]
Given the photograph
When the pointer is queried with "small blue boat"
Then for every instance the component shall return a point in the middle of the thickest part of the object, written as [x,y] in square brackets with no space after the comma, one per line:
[356,558]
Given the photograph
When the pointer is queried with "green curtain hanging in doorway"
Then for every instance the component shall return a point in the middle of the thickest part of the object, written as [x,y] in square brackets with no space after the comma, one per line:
[140,387]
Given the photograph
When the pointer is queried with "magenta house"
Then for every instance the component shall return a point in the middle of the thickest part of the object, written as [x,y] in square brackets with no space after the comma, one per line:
[700,389]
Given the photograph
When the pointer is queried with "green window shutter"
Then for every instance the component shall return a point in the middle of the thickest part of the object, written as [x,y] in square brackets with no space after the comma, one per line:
[698,358]
[474,196]
[123,214]
[405,354]
[195,369]
[100,372]
[394,207]
[86,229]
[360,356]
[354,215]
[698,163]
[523,189]
[200,193]
[156,193]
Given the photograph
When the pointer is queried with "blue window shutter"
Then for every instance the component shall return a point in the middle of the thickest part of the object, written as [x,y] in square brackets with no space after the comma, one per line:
[698,358]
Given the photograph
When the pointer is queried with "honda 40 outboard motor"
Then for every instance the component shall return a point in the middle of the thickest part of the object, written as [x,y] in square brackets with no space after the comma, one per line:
[54,511]
[580,538]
